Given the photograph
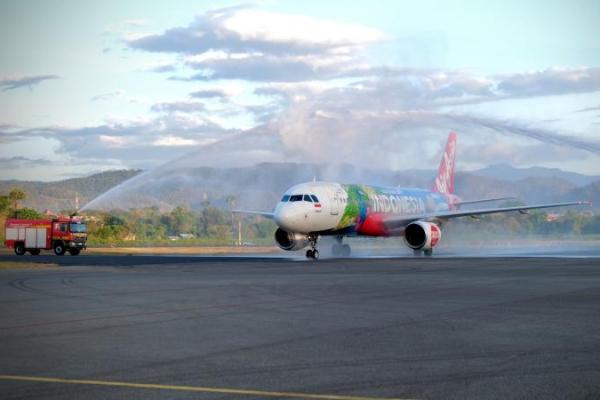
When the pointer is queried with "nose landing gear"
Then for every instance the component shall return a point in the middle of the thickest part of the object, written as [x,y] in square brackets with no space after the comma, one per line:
[312,253]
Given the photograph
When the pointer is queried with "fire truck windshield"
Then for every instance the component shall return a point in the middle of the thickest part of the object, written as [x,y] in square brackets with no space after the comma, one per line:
[77,227]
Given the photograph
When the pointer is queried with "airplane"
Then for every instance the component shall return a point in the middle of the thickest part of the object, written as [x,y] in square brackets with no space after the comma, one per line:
[310,210]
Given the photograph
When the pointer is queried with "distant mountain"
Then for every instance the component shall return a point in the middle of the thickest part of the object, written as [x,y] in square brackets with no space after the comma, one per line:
[589,192]
[260,186]
[512,174]
[61,195]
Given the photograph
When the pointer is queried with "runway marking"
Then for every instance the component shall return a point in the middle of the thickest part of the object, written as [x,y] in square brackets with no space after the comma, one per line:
[200,389]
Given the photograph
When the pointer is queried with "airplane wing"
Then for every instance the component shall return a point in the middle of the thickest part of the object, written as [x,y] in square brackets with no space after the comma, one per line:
[265,214]
[395,222]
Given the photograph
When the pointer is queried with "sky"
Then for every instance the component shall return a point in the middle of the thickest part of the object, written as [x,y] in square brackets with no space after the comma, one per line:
[88,86]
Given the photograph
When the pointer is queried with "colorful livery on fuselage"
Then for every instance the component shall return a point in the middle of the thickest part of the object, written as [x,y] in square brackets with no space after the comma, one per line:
[351,209]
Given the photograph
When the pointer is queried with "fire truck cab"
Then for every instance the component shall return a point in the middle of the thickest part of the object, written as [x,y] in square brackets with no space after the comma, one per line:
[60,234]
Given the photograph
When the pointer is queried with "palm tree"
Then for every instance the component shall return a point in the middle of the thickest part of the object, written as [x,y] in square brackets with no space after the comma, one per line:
[15,196]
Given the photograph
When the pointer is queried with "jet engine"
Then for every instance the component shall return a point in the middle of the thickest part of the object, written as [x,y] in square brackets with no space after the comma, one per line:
[421,235]
[291,241]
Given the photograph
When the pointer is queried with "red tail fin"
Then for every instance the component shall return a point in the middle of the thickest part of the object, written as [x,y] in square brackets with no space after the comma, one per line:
[444,182]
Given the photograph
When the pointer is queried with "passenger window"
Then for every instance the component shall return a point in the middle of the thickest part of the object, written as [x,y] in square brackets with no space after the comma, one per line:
[296,197]
[314,198]
[285,198]
[307,198]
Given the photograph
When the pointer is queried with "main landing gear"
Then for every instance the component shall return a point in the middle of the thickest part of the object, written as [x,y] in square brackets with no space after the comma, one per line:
[340,250]
[426,253]
[312,253]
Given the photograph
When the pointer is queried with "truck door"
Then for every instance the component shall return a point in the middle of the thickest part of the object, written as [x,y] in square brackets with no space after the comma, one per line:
[30,238]
[35,238]
[41,238]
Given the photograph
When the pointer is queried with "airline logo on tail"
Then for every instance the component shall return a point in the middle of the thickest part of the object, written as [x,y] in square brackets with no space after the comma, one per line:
[444,182]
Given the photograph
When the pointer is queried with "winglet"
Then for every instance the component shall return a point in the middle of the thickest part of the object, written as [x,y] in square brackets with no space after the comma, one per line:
[444,182]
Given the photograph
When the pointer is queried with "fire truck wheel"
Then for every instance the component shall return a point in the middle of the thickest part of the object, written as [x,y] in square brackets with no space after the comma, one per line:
[35,252]
[19,249]
[59,249]
[74,252]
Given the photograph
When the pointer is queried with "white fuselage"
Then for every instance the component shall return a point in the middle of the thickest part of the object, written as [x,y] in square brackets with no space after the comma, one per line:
[305,216]
[332,208]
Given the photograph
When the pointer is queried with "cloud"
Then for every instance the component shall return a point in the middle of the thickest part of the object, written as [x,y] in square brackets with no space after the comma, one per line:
[29,81]
[209,93]
[283,68]
[179,141]
[552,81]
[374,122]
[23,162]
[245,43]
[383,116]
[240,29]
[589,109]
[161,68]
[7,127]
[108,96]
[178,106]
[139,143]
[368,122]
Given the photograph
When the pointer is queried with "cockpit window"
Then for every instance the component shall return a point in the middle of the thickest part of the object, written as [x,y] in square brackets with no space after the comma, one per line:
[307,198]
[296,197]
[285,198]
[314,198]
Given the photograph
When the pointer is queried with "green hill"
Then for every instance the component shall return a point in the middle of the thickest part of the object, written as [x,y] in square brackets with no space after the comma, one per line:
[260,186]
[61,195]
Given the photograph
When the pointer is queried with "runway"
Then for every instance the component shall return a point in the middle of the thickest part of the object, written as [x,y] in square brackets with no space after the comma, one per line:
[148,327]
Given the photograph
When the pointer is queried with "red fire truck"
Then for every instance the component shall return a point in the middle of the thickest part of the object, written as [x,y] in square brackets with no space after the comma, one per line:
[61,234]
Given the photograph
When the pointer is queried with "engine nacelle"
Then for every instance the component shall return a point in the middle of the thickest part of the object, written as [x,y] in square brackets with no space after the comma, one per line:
[291,241]
[421,235]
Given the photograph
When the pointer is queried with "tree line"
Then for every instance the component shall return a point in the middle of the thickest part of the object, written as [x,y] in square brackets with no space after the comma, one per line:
[214,226]
[208,225]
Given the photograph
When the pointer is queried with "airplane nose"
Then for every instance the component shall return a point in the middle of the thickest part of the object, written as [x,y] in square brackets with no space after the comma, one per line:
[290,218]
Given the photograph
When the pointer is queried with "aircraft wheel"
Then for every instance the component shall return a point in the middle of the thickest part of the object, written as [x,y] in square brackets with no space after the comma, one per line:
[74,252]
[59,249]
[428,253]
[309,253]
[19,249]
[315,255]
[346,250]
[336,250]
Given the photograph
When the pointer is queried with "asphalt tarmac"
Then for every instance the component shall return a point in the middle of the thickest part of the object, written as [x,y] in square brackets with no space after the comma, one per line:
[151,327]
